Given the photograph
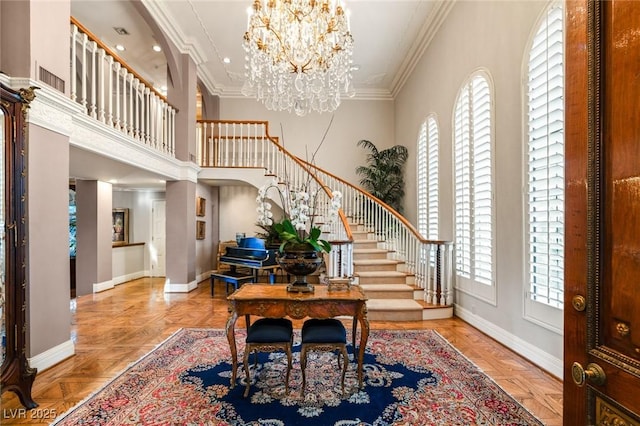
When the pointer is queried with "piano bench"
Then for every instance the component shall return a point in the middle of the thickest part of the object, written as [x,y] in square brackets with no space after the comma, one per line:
[236,279]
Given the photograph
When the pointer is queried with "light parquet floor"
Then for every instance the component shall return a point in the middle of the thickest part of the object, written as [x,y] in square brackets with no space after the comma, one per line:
[115,328]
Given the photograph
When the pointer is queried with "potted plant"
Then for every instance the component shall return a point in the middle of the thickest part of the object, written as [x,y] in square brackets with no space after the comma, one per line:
[383,176]
[301,245]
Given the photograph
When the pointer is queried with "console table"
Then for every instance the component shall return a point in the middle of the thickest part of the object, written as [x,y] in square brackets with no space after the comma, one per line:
[274,301]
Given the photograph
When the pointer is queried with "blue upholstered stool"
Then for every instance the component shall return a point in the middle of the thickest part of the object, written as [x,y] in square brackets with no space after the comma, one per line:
[268,335]
[323,335]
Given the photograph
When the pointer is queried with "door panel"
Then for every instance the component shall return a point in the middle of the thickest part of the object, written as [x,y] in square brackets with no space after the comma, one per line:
[602,262]
[158,238]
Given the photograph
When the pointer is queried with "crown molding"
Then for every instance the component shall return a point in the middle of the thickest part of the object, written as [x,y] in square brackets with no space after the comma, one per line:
[430,27]
[186,45]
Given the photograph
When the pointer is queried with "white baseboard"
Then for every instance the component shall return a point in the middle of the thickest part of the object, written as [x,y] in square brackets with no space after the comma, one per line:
[170,287]
[52,356]
[128,277]
[204,276]
[542,359]
[105,285]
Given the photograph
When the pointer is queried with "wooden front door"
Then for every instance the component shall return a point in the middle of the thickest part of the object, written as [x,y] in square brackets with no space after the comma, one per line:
[602,251]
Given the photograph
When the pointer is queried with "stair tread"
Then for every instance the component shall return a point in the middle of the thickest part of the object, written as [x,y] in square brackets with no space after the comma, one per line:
[393,305]
[386,287]
[369,274]
[369,250]
[376,262]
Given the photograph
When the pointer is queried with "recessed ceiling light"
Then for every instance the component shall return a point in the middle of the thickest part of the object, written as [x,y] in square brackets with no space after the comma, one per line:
[120,47]
[226,60]
[355,67]
[157,48]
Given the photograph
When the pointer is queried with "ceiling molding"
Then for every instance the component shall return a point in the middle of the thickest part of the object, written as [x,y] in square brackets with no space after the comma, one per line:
[184,44]
[431,26]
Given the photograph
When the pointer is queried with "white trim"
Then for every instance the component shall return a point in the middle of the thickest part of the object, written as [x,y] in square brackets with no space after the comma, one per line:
[525,349]
[429,29]
[53,356]
[128,277]
[104,285]
[204,276]
[179,288]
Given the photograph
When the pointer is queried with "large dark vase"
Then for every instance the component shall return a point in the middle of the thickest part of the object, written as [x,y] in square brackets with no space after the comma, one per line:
[300,261]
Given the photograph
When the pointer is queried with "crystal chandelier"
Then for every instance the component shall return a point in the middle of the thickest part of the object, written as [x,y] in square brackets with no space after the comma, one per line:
[298,54]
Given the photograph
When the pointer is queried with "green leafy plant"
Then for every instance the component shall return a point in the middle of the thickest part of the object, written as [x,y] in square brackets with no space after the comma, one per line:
[295,238]
[383,176]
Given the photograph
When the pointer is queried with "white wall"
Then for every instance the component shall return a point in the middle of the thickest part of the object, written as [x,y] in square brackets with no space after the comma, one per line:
[237,211]
[206,249]
[352,121]
[139,204]
[491,35]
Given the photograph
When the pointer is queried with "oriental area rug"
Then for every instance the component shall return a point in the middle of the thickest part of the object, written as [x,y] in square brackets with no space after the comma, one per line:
[411,377]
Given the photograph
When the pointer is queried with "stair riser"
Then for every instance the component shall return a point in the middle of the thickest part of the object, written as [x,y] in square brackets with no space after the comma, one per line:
[395,315]
[373,268]
[382,280]
[372,294]
[365,256]
[365,244]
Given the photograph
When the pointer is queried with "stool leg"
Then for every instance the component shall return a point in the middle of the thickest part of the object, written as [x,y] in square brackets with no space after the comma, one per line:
[303,367]
[286,383]
[344,367]
[246,371]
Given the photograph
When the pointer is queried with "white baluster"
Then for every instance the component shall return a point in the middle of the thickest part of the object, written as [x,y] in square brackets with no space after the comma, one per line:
[101,79]
[123,112]
[83,76]
[94,80]
[110,67]
[172,133]
[74,59]
[118,119]
[130,77]
[136,115]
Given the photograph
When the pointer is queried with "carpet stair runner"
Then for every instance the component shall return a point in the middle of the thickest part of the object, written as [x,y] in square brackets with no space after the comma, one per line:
[391,291]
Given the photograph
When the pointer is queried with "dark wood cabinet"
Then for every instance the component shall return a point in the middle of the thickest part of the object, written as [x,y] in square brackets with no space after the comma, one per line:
[17,376]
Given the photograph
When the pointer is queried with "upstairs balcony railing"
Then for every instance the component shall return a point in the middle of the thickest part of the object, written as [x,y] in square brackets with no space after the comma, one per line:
[115,95]
[248,144]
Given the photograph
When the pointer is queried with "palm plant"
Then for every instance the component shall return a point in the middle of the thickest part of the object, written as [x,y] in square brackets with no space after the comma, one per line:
[383,176]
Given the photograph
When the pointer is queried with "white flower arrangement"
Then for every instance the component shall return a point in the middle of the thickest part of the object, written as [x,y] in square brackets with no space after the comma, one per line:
[297,206]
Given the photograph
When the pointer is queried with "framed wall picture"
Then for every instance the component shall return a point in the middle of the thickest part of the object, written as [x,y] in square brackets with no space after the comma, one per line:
[201,227]
[120,231]
[201,205]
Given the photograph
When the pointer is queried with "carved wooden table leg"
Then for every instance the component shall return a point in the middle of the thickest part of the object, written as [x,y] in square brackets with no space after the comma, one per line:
[364,336]
[231,337]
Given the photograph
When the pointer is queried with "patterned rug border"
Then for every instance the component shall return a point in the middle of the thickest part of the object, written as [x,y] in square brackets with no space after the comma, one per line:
[239,335]
[124,371]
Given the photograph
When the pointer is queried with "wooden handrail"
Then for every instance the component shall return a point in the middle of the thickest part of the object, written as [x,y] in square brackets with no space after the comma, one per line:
[304,164]
[398,216]
[103,46]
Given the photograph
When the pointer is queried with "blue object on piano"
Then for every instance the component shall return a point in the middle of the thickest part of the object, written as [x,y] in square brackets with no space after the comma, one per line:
[251,253]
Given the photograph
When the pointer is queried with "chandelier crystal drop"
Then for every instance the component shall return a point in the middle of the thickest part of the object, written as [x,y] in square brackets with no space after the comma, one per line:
[298,54]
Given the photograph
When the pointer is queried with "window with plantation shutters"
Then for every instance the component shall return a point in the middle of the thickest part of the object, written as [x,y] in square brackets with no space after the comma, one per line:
[544,198]
[427,174]
[473,176]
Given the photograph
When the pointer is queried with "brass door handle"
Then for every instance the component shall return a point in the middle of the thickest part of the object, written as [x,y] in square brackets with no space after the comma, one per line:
[594,374]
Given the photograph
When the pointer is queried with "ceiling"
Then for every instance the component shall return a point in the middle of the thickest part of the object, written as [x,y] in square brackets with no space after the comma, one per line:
[388,37]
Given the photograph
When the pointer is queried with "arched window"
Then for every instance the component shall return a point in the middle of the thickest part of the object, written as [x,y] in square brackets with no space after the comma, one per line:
[473,157]
[544,162]
[427,172]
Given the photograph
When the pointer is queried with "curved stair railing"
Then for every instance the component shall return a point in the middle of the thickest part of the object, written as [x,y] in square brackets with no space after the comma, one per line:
[247,144]
[431,261]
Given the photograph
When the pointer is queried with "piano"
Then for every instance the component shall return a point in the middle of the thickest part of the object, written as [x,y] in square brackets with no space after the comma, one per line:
[251,253]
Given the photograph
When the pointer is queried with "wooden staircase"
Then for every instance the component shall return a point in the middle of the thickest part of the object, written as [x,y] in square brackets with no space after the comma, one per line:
[392,295]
